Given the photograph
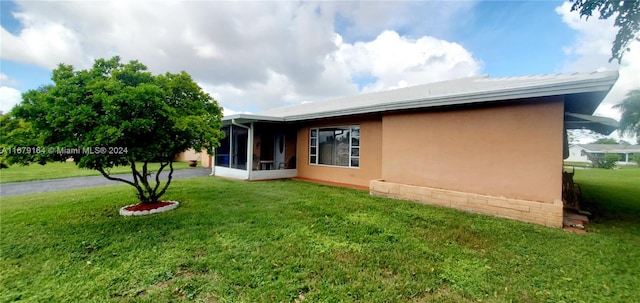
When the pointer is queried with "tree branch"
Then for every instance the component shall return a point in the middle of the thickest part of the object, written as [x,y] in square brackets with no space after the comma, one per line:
[134,171]
[104,174]
[166,185]
[162,166]
[141,196]
[145,182]
[137,187]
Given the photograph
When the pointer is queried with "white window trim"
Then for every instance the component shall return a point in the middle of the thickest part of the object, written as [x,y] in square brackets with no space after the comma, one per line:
[351,147]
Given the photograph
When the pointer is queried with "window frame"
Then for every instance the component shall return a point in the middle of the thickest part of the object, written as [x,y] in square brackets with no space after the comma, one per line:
[354,145]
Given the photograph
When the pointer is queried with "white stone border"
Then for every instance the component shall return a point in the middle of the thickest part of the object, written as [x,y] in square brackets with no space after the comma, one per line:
[173,205]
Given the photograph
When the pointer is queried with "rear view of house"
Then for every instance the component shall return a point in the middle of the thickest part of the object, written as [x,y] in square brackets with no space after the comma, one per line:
[488,145]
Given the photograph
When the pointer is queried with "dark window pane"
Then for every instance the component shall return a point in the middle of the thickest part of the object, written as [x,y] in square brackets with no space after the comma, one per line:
[333,146]
[355,162]
[223,151]
[355,152]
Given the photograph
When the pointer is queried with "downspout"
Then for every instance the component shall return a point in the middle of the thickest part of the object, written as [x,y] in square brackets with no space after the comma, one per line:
[233,121]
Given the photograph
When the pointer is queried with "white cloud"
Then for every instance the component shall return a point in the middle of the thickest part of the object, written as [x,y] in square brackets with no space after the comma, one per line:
[9,97]
[249,55]
[591,51]
[365,20]
[397,61]
[6,80]
[230,112]
[41,42]
[242,45]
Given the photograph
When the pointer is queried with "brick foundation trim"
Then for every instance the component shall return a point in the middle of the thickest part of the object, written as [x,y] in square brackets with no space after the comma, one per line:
[549,214]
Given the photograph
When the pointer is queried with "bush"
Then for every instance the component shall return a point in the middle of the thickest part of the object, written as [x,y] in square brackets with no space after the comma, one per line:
[636,158]
[609,161]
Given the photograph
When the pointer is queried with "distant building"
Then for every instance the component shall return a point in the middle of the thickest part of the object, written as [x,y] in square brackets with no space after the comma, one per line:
[578,152]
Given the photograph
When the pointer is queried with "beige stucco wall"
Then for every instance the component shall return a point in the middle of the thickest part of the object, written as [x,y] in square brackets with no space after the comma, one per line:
[190,154]
[187,155]
[510,151]
[370,153]
[206,159]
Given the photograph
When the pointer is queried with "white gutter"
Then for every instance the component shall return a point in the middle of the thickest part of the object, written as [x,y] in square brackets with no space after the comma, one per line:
[467,98]
[233,122]
[602,82]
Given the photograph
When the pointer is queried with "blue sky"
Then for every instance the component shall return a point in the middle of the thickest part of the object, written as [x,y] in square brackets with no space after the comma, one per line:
[252,56]
[517,37]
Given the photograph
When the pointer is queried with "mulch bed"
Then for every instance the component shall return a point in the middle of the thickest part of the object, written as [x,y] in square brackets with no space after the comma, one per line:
[147,206]
[141,209]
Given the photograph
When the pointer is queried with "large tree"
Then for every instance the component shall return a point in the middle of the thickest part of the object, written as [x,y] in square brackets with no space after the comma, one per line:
[630,120]
[16,132]
[627,20]
[117,114]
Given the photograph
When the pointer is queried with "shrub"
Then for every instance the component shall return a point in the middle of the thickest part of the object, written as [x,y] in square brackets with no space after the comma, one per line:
[609,161]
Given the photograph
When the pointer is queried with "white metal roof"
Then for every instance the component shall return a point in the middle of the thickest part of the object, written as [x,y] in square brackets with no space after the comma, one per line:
[469,90]
[610,148]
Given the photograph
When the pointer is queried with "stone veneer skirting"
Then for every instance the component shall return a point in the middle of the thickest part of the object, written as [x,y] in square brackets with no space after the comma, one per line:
[549,214]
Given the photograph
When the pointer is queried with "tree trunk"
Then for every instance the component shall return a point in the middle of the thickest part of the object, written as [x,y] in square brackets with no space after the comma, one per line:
[147,193]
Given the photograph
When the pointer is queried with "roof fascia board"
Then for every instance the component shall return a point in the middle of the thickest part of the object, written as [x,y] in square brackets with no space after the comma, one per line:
[596,147]
[591,85]
[246,118]
[613,151]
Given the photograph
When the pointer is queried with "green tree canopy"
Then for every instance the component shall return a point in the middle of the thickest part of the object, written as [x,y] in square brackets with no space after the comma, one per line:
[630,119]
[117,114]
[605,141]
[17,132]
[627,20]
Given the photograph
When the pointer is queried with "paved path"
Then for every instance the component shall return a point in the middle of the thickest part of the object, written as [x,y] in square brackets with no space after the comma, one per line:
[19,188]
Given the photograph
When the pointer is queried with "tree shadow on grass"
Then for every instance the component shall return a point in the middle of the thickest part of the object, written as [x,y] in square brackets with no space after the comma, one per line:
[610,205]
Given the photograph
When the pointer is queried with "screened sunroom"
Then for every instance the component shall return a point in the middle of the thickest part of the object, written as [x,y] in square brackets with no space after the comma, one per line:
[256,150]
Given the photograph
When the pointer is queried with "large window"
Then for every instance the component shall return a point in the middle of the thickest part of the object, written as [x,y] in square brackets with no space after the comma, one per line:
[336,146]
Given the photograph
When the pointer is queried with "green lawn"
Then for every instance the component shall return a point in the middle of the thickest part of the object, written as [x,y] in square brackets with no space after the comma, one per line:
[55,170]
[288,241]
[613,195]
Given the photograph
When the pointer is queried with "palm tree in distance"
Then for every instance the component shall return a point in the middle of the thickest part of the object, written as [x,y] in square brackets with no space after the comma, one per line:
[630,120]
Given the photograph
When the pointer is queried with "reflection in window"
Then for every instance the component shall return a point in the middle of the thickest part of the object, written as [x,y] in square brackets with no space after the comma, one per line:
[335,146]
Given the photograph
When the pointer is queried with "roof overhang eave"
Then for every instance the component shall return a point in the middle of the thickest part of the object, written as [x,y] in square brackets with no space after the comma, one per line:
[556,89]
[602,125]
[248,118]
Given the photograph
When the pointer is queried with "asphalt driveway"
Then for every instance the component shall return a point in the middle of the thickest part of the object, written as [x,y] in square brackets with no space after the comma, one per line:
[19,188]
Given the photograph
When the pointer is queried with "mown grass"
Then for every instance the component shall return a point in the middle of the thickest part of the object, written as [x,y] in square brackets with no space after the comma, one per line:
[56,170]
[288,241]
[612,195]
